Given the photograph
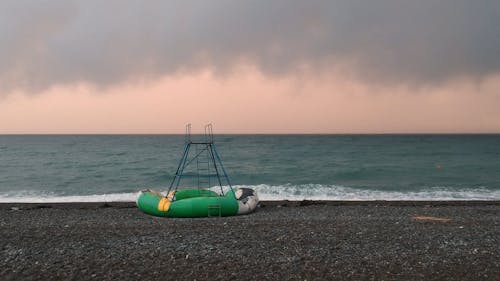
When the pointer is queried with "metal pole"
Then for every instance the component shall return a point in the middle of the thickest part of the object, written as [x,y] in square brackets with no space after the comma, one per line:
[215,166]
[222,167]
[180,168]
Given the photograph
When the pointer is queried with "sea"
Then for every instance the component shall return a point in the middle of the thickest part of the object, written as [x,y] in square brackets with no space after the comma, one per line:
[107,168]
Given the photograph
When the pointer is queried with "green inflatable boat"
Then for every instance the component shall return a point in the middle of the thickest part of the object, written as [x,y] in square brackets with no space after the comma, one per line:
[191,203]
[201,162]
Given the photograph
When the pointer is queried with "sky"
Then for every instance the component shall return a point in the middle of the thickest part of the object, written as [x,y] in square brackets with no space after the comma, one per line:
[338,66]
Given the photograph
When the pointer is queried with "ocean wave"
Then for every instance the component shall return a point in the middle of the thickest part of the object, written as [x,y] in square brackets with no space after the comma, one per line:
[282,192]
[38,197]
[335,192]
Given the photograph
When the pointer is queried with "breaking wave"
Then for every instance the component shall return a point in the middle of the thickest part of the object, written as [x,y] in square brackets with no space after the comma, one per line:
[282,192]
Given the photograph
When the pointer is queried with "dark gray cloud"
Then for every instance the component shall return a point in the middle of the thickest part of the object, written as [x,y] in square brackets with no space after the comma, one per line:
[44,43]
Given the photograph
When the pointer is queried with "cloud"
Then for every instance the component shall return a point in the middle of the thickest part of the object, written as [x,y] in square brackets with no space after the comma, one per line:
[48,43]
[262,105]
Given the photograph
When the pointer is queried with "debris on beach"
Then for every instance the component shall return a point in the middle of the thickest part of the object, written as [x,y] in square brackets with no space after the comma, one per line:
[425,218]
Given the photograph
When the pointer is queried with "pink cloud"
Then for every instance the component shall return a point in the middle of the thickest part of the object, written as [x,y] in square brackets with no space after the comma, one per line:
[249,102]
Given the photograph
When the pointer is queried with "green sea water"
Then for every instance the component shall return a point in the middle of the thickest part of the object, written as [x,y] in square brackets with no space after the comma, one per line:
[60,168]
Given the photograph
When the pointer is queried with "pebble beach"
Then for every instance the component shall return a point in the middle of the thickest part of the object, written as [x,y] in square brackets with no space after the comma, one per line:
[308,240]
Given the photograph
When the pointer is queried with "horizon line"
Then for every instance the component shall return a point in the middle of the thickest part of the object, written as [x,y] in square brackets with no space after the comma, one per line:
[236,133]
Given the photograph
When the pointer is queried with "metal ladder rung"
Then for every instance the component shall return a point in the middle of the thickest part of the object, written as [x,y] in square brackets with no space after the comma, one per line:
[199,176]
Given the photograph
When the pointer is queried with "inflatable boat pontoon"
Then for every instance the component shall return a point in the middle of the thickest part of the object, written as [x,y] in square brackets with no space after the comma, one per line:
[190,203]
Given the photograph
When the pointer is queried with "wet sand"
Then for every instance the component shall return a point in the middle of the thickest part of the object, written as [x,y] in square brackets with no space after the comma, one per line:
[281,241]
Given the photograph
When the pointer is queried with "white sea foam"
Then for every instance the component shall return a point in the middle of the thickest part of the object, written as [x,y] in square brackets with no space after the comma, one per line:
[30,197]
[284,192]
[329,192]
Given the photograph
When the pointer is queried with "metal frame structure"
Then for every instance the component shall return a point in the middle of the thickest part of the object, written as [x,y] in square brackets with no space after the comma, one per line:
[205,157]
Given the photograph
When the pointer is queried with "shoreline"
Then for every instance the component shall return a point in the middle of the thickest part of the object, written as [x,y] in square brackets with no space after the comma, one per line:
[262,204]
